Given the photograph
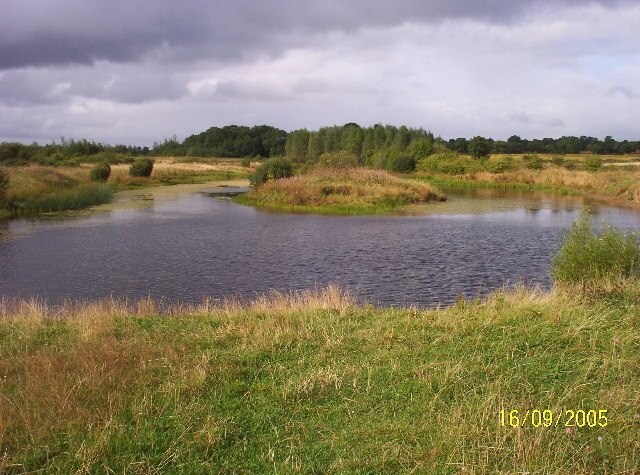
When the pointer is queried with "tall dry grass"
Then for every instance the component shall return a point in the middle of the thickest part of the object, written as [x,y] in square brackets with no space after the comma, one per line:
[342,188]
[617,184]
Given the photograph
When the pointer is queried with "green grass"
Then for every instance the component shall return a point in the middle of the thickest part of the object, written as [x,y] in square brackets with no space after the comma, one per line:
[37,190]
[77,197]
[318,384]
[333,209]
[178,177]
[597,262]
[462,183]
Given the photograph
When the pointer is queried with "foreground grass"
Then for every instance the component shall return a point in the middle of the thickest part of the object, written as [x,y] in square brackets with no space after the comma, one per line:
[340,191]
[314,383]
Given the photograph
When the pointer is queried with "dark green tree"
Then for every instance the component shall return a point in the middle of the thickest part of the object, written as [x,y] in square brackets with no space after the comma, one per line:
[479,148]
[297,144]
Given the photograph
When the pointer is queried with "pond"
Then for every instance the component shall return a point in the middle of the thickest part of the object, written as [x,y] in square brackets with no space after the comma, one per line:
[185,243]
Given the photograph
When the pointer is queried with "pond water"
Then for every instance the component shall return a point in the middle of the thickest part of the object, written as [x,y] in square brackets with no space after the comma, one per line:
[182,244]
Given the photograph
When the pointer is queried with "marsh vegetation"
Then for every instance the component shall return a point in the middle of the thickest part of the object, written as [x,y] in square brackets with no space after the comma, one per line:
[341,191]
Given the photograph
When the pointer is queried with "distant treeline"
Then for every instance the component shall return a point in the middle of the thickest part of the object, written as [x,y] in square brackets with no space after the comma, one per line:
[67,152]
[368,145]
[304,145]
[231,141]
[563,145]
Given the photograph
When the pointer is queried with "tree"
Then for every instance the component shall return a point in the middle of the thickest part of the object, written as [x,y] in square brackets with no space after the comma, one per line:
[352,139]
[459,145]
[297,144]
[479,147]
[314,150]
[401,139]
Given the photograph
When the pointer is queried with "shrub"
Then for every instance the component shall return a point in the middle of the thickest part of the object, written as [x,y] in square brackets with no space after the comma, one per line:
[393,160]
[593,260]
[533,162]
[272,169]
[558,160]
[449,163]
[401,162]
[421,148]
[100,172]
[499,165]
[4,186]
[570,164]
[246,162]
[340,159]
[593,163]
[141,166]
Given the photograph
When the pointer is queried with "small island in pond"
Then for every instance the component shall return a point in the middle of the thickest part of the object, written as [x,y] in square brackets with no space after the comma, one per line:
[341,191]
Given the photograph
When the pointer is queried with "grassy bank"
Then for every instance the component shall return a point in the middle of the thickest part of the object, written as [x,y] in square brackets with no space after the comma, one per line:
[315,383]
[35,190]
[614,185]
[340,191]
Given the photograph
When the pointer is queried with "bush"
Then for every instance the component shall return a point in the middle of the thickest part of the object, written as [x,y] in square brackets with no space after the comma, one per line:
[558,160]
[499,165]
[246,162]
[393,160]
[401,162]
[533,162]
[100,172]
[340,159]
[4,186]
[449,163]
[141,166]
[593,163]
[421,148]
[272,169]
[595,260]
[570,164]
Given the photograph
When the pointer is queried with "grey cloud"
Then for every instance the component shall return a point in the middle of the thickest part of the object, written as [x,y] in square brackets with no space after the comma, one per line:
[62,32]
[556,122]
[623,91]
[126,85]
[521,117]
[250,90]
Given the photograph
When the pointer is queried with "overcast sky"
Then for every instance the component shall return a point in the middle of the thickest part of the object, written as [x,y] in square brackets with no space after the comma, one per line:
[134,71]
